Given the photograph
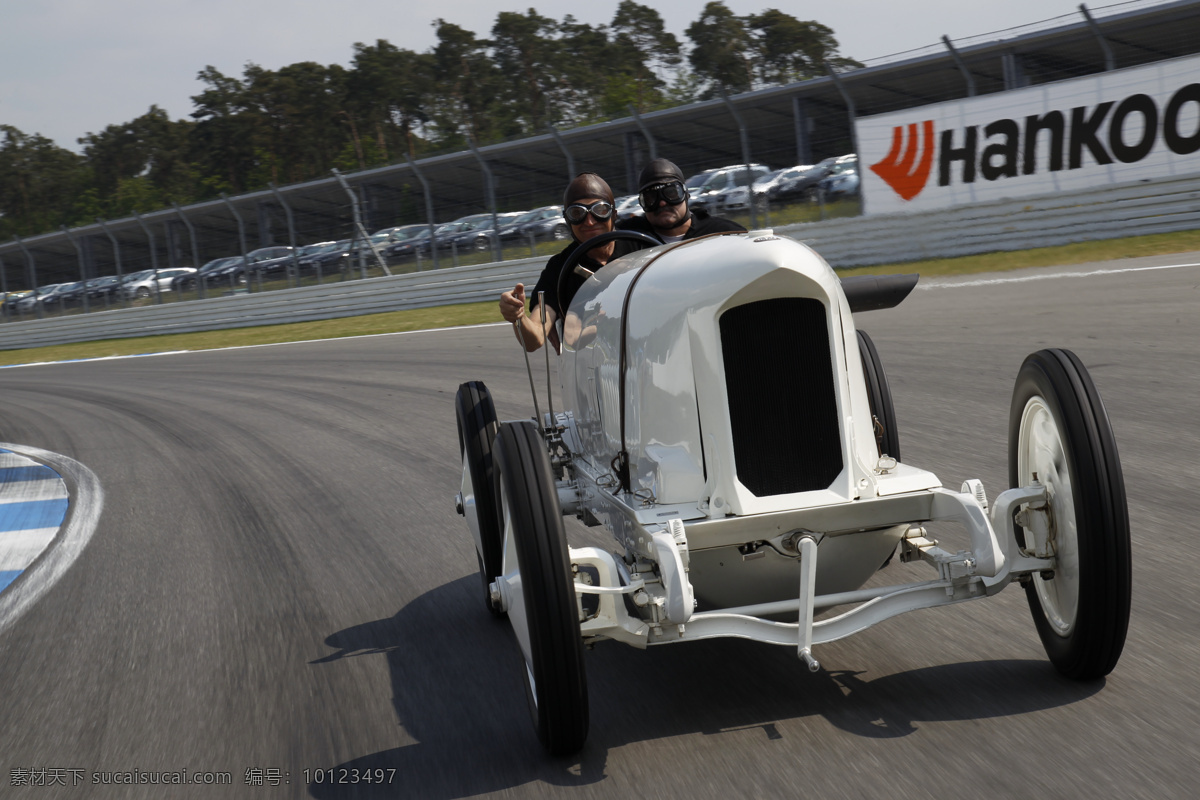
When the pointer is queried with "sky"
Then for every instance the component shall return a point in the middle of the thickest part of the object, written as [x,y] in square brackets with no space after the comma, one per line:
[70,67]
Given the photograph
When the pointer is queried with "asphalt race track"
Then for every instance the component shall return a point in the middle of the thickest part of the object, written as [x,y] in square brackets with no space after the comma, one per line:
[279,585]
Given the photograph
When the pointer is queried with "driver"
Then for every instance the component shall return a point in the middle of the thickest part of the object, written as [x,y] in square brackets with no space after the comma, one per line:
[589,209]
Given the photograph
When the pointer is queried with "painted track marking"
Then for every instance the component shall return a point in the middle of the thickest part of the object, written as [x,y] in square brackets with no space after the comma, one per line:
[50,550]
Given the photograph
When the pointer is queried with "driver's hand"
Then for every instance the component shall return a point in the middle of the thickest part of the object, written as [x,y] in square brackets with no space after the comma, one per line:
[512,304]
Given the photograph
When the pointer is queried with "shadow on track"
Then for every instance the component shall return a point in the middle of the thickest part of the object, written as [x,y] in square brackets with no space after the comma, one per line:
[456,684]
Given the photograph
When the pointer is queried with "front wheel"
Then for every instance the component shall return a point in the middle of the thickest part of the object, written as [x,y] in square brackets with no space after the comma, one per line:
[542,606]
[560,233]
[476,416]
[1060,435]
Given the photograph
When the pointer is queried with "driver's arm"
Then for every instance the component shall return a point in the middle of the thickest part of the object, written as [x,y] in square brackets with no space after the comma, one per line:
[531,331]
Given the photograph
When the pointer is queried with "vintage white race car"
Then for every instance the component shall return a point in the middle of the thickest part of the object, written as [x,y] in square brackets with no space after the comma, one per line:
[726,422]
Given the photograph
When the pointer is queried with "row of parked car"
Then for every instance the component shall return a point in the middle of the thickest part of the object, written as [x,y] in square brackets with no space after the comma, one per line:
[723,190]
[720,190]
[733,188]
[477,233]
[105,290]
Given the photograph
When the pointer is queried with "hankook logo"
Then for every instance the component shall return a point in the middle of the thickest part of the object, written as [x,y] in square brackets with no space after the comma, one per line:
[1125,131]
[906,172]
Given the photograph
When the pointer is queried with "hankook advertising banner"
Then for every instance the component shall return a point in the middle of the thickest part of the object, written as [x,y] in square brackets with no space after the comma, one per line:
[1115,127]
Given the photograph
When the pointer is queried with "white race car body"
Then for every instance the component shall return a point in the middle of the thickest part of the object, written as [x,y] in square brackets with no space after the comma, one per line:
[725,421]
[742,399]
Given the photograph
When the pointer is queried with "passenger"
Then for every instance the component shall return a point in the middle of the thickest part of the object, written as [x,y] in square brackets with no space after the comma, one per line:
[588,208]
[664,199]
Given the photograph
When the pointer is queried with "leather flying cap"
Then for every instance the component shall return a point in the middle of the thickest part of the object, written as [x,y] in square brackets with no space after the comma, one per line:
[659,171]
[587,185]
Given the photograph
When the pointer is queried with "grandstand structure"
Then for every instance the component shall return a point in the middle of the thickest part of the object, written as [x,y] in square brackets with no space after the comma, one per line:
[780,126]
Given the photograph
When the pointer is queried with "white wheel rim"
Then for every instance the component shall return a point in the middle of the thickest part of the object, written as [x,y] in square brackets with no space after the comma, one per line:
[1040,451]
[511,571]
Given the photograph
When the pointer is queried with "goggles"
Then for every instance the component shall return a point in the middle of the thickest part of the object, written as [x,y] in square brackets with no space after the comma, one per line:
[672,193]
[577,212]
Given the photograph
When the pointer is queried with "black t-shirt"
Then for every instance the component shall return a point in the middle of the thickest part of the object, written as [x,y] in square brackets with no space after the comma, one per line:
[702,225]
[548,280]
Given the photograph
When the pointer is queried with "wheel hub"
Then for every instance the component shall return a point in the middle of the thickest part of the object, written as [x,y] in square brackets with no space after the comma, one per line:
[1043,458]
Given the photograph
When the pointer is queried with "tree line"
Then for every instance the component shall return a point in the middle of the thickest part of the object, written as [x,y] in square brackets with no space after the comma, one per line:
[297,122]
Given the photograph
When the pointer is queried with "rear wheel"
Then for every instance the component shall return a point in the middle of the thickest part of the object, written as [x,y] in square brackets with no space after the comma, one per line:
[1059,432]
[476,416]
[883,412]
[542,606]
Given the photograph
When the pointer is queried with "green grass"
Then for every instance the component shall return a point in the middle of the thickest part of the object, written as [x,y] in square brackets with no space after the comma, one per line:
[391,322]
[480,313]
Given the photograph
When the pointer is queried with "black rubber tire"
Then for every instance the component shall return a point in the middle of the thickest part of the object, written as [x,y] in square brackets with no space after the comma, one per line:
[558,699]
[560,233]
[879,391]
[482,245]
[142,293]
[1097,577]
[476,416]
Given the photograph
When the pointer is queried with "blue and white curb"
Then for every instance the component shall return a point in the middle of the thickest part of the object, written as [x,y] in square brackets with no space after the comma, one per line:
[39,539]
[33,503]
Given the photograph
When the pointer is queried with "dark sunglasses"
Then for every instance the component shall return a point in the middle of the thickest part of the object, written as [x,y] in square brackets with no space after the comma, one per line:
[577,213]
[673,193]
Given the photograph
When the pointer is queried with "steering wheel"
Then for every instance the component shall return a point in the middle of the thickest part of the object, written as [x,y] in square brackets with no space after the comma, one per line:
[576,255]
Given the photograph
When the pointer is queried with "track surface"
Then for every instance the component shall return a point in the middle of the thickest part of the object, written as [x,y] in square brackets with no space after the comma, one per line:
[279,581]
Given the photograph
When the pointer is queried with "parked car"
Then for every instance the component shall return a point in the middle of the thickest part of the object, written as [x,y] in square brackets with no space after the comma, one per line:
[325,258]
[408,242]
[510,231]
[396,232]
[32,300]
[628,207]
[104,286]
[800,185]
[377,243]
[72,294]
[419,243]
[738,198]
[460,233]
[707,190]
[842,181]
[785,176]
[548,224]
[235,271]
[479,234]
[189,281]
[12,298]
[806,185]
[146,282]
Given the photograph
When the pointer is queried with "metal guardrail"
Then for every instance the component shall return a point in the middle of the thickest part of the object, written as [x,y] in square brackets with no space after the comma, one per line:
[305,304]
[1123,210]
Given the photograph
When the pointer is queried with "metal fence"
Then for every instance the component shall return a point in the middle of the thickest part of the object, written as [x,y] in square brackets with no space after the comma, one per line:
[1118,211]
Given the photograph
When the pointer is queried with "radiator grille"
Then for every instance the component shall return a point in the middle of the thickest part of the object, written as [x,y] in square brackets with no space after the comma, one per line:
[782,402]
